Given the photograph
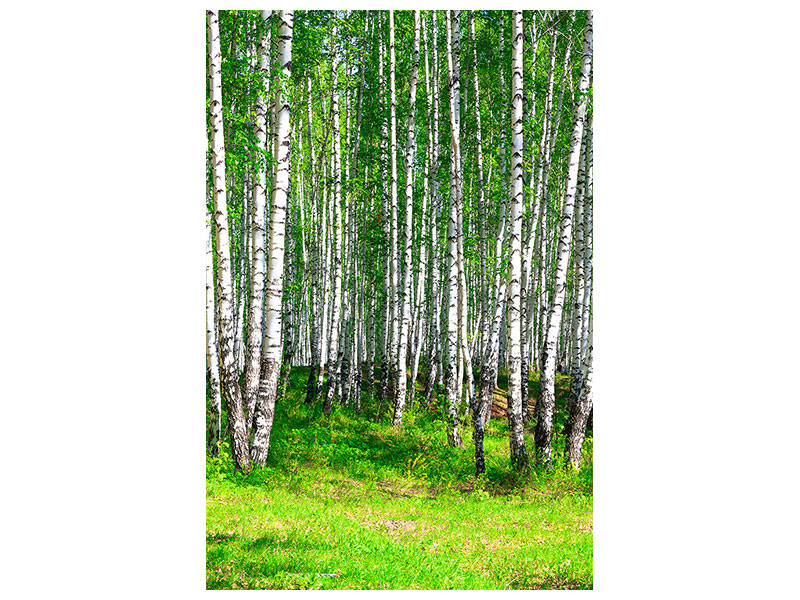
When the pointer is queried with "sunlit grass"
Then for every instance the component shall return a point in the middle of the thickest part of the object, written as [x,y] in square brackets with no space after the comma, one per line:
[348,501]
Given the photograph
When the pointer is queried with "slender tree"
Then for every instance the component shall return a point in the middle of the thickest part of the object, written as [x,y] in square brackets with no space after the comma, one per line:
[277,229]
[231,392]
[435,352]
[257,263]
[394,247]
[451,375]
[400,396]
[583,407]
[333,347]
[546,402]
[212,361]
[519,457]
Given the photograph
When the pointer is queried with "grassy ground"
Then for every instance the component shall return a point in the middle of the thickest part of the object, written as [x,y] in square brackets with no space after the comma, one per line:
[348,502]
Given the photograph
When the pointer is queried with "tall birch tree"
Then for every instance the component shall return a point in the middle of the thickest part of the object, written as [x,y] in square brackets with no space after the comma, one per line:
[231,392]
[519,457]
[546,402]
[451,369]
[212,360]
[257,263]
[333,347]
[400,397]
[277,230]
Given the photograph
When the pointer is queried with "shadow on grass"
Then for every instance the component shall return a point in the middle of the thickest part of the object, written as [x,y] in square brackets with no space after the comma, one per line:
[365,448]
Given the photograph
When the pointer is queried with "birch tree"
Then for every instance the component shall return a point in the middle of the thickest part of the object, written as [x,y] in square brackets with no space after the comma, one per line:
[317,251]
[519,457]
[583,407]
[451,375]
[546,402]
[394,248]
[366,274]
[212,360]
[231,392]
[253,361]
[333,347]
[400,397]
[277,228]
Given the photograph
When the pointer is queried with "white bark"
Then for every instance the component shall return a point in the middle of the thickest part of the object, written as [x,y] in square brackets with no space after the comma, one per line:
[546,403]
[451,375]
[277,229]
[400,396]
[394,248]
[423,273]
[576,316]
[582,410]
[386,359]
[333,350]
[587,228]
[435,354]
[484,319]
[317,253]
[519,458]
[257,263]
[230,384]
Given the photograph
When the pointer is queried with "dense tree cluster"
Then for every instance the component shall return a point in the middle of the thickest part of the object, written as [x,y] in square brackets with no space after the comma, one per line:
[401,200]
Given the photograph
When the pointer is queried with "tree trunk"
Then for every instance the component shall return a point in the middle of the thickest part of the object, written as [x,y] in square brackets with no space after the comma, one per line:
[435,354]
[583,407]
[400,396]
[277,230]
[546,402]
[576,363]
[317,249]
[230,384]
[212,361]
[519,457]
[333,350]
[254,317]
[451,374]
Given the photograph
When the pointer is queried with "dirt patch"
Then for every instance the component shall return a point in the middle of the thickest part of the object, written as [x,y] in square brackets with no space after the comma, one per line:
[398,490]
[400,525]
[500,404]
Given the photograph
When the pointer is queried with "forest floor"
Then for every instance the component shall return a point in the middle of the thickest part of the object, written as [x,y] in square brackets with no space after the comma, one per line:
[346,501]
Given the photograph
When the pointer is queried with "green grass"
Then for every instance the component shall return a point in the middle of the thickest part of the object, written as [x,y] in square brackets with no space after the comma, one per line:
[348,502]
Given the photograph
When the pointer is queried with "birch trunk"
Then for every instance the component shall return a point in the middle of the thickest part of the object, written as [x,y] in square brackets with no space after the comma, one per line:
[212,360]
[277,228]
[254,318]
[451,375]
[546,403]
[465,362]
[575,363]
[230,384]
[478,401]
[435,354]
[387,268]
[519,457]
[527,252]
[587,229]
[583,408]
[423,273]
[333,349]
[400,397]
[394,248]
[484,318]
[316,258]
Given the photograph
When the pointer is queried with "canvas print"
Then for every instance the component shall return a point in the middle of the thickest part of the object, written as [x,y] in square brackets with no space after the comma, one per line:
[399,299]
